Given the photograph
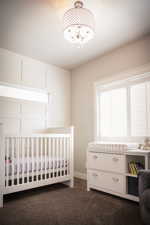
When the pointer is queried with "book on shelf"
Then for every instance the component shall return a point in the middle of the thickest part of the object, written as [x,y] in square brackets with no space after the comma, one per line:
[134,167]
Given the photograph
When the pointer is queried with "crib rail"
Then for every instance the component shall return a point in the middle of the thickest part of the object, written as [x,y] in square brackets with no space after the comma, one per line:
[36,158]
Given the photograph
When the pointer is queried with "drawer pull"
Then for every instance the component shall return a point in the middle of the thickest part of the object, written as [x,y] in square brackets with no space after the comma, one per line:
[115,159]
[95,156]
[95,175]
[115,179]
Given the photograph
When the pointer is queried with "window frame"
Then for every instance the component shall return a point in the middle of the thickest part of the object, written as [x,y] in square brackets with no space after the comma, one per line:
[125,83]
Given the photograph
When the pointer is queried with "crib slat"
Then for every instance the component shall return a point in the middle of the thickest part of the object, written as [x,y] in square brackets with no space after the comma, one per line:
[64,161]
[45,158]
[60,157]
[6,172]
[13,161]
[32,158]
[56,160]
[66,169]
[37,157]
[7,161]
[63,156]
[38,161]
[49,156]
[17,160]
[53,157]
[23,158]
[41,148]
[68,155]
[28,158]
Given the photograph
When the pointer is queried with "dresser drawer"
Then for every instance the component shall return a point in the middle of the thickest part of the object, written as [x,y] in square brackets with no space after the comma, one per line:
[94,160]
[114,163]
[107,162]
[96,178]
[108,181]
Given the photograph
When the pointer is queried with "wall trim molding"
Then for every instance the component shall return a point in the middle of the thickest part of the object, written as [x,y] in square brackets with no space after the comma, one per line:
[80,175]
[126,74]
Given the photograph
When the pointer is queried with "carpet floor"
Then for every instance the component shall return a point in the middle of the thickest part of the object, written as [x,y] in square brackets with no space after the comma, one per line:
[60,205]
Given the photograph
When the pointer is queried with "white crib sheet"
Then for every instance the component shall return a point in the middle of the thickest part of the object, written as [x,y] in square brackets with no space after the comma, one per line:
[26,165]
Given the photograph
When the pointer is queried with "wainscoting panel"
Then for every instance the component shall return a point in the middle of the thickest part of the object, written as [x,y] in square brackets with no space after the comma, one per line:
[33,73]
[31,125]
[33,110]
[10,67]
[23,72]
[9,107]
[22,116]
[11,125]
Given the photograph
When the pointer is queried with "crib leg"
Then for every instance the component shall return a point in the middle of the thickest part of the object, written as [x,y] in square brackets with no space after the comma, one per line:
[88,188]
[71,184]
[1,200]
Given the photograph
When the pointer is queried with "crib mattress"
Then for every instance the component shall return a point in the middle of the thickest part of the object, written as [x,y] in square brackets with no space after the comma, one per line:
[29,165]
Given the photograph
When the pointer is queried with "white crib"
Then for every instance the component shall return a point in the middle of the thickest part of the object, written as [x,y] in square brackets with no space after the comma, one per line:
[35,160]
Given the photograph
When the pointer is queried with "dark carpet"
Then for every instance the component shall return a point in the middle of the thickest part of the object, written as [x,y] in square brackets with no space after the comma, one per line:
[60,205]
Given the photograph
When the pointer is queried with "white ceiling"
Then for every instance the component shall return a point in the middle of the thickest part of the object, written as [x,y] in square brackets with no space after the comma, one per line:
[34,28]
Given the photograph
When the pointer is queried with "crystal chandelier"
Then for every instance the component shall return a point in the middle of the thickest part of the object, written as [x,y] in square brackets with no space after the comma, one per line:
[78,24]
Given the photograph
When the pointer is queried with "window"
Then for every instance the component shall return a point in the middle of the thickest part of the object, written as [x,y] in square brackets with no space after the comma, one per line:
[123,108]
[113,113]
[24,94]
[138,109]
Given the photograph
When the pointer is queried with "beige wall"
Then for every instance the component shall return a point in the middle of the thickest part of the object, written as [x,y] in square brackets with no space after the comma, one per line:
[123,62]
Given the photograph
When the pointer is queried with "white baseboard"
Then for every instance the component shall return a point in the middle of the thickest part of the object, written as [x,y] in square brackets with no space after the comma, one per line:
[80,175]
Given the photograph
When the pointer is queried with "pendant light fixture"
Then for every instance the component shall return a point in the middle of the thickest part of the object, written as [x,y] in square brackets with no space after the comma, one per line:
[78,24]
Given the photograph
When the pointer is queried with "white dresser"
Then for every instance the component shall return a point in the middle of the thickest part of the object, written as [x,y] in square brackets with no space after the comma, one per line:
[108,172]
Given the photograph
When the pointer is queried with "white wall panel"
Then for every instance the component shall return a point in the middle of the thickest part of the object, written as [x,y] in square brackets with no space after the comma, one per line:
[10,67]
[33,110]
[58,84]
[23,71]
[56,112]
[33,73]
[9,107]
[30,125]
[11,125]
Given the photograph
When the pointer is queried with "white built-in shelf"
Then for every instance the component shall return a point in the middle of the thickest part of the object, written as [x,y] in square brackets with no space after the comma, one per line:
[138,152]
[132,197]
[109,172]
[131,175]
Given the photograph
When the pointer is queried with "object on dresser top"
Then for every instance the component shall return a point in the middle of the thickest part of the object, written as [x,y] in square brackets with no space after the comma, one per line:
[135,167]
[112,147]
[146,145]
